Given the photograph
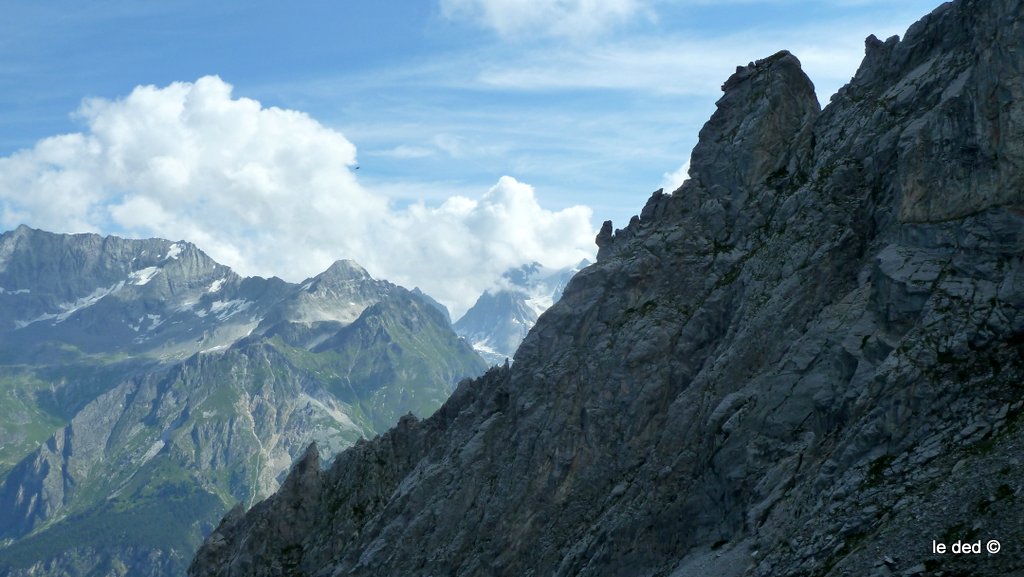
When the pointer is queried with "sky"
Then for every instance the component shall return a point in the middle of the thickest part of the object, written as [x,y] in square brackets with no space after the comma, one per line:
[436,142]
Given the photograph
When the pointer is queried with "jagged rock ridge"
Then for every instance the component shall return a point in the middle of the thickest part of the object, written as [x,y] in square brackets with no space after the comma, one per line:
[806,361]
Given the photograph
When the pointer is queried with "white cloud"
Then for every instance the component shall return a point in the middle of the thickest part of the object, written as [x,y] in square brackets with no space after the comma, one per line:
[561,18]
[691,64]
[271,192]
[471,242]
[406,151]
[677,66]
[453,146]
[670,181]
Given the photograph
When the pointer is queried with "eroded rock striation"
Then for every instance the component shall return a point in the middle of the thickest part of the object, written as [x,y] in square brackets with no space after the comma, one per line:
[808,360]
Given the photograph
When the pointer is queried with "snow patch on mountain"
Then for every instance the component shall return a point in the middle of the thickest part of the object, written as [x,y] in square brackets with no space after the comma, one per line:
[143,276]
[154,321]
[173,251]
[68,309]
[503,315]
[226,309]
[216,285]
[540,303]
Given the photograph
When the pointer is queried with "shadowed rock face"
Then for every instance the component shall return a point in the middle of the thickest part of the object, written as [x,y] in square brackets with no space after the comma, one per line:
[808,360]
[771,105]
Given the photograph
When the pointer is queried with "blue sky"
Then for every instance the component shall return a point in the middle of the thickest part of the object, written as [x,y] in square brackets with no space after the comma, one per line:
[587,106]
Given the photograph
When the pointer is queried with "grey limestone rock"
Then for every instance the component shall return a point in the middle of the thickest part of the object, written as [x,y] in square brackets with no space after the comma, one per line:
[808,360]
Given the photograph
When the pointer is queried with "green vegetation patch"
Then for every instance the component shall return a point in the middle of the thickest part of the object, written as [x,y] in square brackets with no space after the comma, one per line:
[170,517]
[25,424]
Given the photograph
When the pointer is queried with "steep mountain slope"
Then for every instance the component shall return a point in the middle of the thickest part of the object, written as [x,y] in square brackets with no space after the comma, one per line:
[500,319]
[156,449]
[806,361]
[79,313]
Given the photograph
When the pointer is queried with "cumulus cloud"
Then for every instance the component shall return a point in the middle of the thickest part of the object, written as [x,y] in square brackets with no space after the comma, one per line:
[271,192]
[462,238]
[670,181]
[562,18]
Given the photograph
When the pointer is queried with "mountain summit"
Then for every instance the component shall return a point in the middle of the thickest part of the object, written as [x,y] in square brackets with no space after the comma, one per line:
[500,319]
[808,360]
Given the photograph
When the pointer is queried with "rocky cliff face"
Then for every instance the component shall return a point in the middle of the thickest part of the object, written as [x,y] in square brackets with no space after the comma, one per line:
[808,360]
[151,449]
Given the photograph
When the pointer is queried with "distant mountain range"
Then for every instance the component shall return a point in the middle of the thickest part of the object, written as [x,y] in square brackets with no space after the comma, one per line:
[501,318]
[145,389]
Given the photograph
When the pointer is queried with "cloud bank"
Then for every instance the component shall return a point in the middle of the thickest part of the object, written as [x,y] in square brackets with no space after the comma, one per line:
[269,191]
